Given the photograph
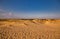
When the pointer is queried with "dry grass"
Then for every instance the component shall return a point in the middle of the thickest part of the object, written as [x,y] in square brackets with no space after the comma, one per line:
[30,29]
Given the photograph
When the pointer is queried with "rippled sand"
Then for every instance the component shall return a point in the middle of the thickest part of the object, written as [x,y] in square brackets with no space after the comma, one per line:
[30,29]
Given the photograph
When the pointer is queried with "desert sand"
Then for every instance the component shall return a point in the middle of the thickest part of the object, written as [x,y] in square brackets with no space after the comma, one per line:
[30,29]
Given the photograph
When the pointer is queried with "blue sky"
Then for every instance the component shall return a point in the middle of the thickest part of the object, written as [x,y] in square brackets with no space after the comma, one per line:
[29,9]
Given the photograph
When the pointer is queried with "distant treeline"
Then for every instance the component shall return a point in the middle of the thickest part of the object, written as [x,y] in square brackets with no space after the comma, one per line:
[3,19]
[25,19]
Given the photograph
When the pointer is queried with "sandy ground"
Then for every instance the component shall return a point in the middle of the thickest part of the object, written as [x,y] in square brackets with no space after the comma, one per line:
[30,29]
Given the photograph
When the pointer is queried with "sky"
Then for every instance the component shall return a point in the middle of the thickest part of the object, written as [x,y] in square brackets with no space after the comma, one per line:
[29,9]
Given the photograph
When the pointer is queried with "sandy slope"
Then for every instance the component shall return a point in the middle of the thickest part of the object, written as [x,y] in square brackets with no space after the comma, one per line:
[30,29]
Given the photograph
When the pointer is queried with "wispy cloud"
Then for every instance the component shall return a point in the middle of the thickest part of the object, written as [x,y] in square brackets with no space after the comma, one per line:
[5,14]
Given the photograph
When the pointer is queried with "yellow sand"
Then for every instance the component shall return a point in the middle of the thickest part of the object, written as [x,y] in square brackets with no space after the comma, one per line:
[30,29]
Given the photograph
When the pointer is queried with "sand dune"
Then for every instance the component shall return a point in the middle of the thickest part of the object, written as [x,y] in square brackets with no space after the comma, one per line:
[30,29]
